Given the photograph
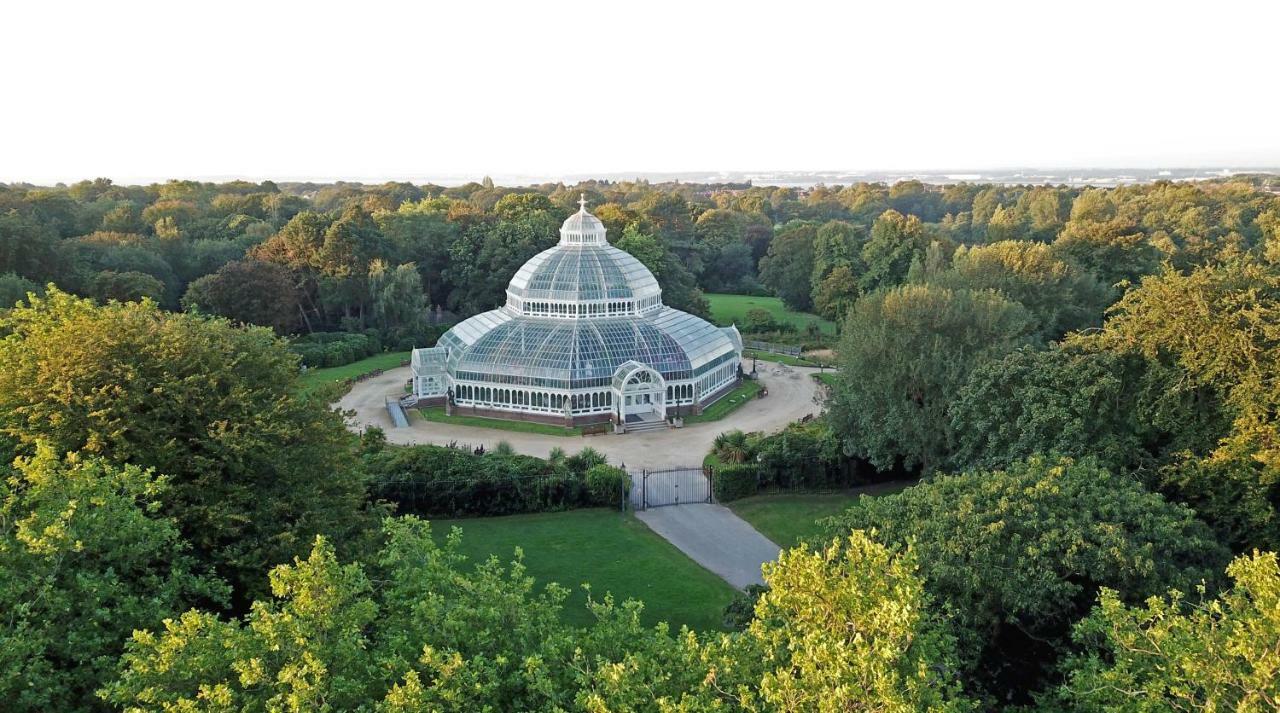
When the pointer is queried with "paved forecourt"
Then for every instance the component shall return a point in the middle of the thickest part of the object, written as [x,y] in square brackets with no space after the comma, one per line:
[793,394]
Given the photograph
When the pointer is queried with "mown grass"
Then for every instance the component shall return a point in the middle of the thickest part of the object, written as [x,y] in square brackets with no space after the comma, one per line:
[749,354]
[315,378]
[732,309]
[612,551]
[730,402]
[436,414]
[827,377]
[790,518]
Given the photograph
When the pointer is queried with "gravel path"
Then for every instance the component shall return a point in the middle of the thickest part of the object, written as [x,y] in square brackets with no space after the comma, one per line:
[715,538]
[793,394]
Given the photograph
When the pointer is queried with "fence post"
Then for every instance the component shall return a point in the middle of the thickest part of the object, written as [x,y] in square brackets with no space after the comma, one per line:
[644,489]
[711,484]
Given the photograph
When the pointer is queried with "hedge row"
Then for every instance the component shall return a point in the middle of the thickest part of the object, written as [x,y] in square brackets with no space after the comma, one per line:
[731,482]
[435,481]
[804,456]
[329,349]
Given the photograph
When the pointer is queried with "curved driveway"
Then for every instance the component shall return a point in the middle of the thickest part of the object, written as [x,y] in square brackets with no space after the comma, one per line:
[793,394]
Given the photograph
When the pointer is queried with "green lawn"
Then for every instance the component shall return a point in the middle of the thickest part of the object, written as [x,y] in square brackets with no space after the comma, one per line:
[314,378]
[612,551]
[728,403]
[749,354]
[437,415]
[788,518]
[732,309]
[827,377]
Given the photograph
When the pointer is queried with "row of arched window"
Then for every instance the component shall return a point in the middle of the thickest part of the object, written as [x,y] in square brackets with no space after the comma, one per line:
[525,400]
[715,379]
[580,309]
[679,392]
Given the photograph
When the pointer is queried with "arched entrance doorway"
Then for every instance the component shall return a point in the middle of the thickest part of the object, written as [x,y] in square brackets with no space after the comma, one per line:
[639,394]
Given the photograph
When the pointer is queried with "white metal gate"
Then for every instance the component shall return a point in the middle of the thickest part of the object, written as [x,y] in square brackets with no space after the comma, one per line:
[656,488]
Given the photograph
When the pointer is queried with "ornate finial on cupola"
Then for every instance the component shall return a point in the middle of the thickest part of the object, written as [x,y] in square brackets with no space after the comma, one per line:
[582,201]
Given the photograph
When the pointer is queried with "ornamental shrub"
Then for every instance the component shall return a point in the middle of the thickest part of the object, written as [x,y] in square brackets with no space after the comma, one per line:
[731,482]
[607,484]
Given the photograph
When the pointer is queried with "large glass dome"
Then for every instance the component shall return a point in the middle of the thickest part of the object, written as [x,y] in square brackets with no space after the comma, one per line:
[577,316]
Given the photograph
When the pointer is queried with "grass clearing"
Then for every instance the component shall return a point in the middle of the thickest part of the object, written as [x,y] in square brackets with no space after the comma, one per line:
[612,551]
[827,378]
[732,309]
[436,414]
[314,378]
[727,404]
[749,354]
[788,518]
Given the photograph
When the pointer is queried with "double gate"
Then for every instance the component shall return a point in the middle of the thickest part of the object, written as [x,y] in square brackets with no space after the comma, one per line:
[656,488]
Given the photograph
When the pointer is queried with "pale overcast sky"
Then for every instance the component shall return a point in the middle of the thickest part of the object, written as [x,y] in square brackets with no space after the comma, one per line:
[371,90]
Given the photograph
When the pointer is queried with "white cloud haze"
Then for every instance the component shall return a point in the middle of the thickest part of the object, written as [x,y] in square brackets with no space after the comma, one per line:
[376,90]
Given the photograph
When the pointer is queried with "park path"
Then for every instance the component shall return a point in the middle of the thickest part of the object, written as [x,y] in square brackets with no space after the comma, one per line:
[716,538]
[793,394]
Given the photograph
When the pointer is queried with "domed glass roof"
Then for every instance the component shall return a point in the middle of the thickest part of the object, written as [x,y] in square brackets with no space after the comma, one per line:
[578,311]
[584,268]
[583,273]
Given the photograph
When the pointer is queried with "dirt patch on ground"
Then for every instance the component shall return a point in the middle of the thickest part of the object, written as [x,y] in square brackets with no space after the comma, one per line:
[824,356]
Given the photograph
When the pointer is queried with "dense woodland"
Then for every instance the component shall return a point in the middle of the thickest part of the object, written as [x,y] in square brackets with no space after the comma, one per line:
[1085,382]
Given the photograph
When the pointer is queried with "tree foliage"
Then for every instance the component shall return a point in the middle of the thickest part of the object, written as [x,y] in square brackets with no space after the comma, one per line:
[433,634]
[85,559]
[1018,555]
[256,471]
[1175,654]
[903,355]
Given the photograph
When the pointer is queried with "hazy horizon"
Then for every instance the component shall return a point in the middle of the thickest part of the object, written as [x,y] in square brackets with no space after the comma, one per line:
[1102,175]
[319,92]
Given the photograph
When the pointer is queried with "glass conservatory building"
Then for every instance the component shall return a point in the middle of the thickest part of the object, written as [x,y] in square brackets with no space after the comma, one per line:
[583,338]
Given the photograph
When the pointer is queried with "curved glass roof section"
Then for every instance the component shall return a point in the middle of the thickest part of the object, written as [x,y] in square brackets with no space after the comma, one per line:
[583,273]
[674,343]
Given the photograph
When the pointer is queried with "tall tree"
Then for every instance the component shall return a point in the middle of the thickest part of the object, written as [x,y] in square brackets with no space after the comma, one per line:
[896,240]
[1018,555]
[787,269]
[256,470]
[84,560]
[1061,296]
[248,291]
[903,355]
[1180,653]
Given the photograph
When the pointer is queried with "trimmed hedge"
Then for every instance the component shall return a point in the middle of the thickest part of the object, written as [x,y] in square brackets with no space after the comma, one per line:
[731,482]
[435,481]
[329,349]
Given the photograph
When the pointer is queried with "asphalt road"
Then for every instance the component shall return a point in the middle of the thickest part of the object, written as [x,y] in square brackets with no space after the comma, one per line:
[715,538]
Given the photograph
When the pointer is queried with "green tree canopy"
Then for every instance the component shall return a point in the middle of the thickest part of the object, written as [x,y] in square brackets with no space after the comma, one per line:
[84,560]
[1216,331]
[787,269]
[904,353]
[256,471]
[1059,400]
[1018,555]
[416,629]
[1205,654]
[127,286]
[248,291]
[1061,296]
[896,240]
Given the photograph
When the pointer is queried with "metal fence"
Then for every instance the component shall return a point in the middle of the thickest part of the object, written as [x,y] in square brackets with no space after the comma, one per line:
[772,347]
[673,486]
